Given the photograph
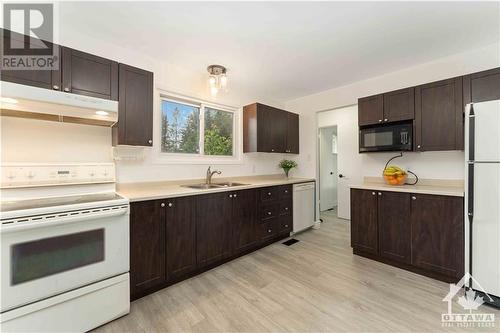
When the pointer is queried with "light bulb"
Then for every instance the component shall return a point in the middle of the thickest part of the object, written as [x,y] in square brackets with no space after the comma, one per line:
[214,91]
[212,81]
[223,81]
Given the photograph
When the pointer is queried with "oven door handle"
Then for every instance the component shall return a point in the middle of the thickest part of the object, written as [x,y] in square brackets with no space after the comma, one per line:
[50,220]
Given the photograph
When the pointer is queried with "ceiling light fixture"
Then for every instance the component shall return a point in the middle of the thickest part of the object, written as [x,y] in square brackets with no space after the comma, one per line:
[217,79]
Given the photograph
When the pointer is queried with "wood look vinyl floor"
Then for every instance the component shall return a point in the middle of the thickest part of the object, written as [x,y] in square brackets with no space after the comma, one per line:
[315,285]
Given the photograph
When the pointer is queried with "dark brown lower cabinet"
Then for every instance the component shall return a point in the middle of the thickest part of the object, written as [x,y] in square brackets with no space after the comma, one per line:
[421,233]
[147,246]
[394,226]
[181,236]
[176,238]
[243,221]
[437,225]
[364,225]
[213,218]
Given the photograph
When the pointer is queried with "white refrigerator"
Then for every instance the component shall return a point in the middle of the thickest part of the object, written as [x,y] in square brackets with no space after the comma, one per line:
[482,198]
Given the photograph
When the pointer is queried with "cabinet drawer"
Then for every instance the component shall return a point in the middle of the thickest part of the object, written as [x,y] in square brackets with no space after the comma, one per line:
[284,225]
[285,207]
[269,194]
[267,230]
[268,211]
[285,192]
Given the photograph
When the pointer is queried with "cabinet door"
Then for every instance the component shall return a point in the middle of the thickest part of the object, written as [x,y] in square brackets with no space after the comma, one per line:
[292,136]
[90,75]
[439,122]
[48,79]
[371,110]
[394,226]
[244,235]
[181,236]
[272,129]
[364,227]
[213,220]
[135,108]
[147,246]
[399,105]
[482,86]
[438,234]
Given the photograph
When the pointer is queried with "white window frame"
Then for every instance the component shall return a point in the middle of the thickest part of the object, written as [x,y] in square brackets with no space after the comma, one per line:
[160,157]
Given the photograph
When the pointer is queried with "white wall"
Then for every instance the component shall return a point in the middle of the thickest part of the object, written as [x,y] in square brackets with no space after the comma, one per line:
[441,165]
[428,165]
[45,142]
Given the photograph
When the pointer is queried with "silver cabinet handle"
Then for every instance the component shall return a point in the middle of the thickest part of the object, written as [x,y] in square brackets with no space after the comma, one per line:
[286,225]
[162,204]
[379,193]
[418,146]
[413,198]
[269,230]
[230,195]
[386,119]
[286,191]
[268,193]
[269,213]
[373,193]
[170,204]
[380,120]
[150,141]
[235,195]
[66,89]
[286,208]
[55,87]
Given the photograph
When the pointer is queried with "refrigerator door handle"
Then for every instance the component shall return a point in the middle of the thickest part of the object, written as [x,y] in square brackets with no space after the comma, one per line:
[471,132]
[470,212]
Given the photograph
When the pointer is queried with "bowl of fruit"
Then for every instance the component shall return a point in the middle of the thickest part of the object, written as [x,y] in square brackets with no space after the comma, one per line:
[394,175]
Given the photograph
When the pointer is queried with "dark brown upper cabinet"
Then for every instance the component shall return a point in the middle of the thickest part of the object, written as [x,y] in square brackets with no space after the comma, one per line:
[385,108]
[371,110]
[364,225]
[48,79]
[399,105]
[135,107]
[482,86]
[292,136]
[270,130]
[439,120]
[147,246]
[90,75]
[181,236]
[437,229]
[394,226]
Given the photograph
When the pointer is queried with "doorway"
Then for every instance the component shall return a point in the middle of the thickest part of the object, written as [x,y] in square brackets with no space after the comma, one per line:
[328,170]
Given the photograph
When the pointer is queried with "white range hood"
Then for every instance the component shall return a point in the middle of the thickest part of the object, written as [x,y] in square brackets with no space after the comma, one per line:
[23,101]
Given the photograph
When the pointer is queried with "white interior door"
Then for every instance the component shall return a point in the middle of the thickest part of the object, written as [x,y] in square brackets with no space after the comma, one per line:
[328,168]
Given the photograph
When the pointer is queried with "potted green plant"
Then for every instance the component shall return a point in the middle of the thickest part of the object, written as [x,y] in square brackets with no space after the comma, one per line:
[287,165]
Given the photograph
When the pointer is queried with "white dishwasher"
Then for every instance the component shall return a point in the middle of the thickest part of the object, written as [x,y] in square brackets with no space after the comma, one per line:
[303,206]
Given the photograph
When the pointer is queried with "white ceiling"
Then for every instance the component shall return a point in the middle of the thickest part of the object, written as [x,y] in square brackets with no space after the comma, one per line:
[288,50]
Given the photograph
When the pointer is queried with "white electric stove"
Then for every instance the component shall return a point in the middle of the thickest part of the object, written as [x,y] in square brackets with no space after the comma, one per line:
[64,248]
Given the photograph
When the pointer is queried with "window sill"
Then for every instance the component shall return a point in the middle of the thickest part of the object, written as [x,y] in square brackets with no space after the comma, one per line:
[196,160]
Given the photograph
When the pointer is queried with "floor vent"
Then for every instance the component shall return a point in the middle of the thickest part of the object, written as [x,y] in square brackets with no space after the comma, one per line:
[290,242]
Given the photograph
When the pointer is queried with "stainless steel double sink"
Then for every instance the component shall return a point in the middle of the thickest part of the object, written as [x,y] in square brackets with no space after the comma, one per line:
[213,185]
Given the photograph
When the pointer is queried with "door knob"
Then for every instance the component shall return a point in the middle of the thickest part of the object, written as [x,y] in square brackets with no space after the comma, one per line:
[331,173]
[341,175]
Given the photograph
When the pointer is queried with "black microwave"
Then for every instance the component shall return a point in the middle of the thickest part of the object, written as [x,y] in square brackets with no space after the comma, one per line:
[394,137]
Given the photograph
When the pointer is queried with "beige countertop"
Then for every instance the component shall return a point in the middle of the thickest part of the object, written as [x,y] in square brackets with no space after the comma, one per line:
[171,189]
[451,187]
